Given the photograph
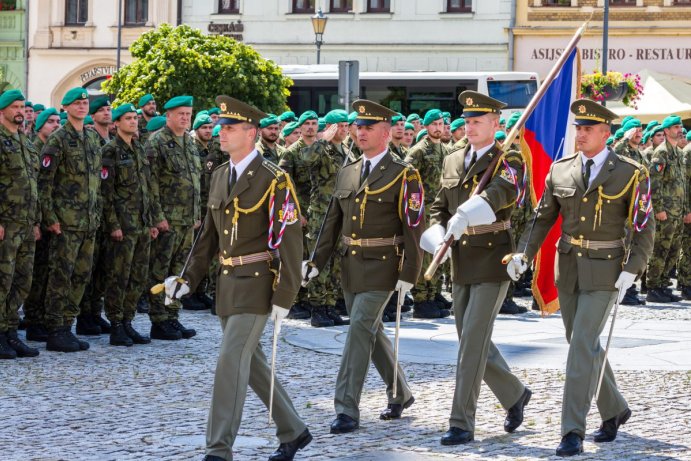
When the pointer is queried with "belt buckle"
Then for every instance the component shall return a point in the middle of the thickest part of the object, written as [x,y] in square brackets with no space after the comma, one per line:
[355,242]
[577,242]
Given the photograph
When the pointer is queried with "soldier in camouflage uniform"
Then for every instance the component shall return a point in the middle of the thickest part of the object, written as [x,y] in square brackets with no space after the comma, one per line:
[397,134]
[352,135]
[684,266]
[668,186]
[414,119]
[128,223]
[427,157]
[290,133]
[19,217]
[268,135]
[175,189]
[34,311]
[324,159]
[286,118]
[408,135]
[657,137]
[147,105]
[70,192]
[457,130]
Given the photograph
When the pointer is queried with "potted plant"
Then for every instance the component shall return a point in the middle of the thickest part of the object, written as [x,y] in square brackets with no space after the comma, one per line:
[612,86]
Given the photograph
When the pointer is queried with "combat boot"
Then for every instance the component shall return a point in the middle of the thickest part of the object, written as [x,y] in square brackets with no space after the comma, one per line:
[686,291]
[191,303]
[442,302]
[136,337]
[36,333]
[675,299]
[187,333]
[429,310]
[165,331]
[333,315]
[6,351]
[83,345]
[19,346]
[509,307]
[118,336]
[319,318]
[299,311]
[657,295]
[408,303]
[59,341]
[101,323]
[205,299]
[341,307]
[86,326]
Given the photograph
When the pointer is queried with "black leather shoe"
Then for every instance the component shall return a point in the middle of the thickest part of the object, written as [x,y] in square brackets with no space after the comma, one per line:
[136,337]
[86,326]
[286,451]
[571,445]
[6,351]
[36,333]
[456,436]
[165,331]
[343,424]
[19,346]
[59,341]
[187,333]
[118,337]
[395,410]
[103,324]
[514,417]
[319,318]
[608,429]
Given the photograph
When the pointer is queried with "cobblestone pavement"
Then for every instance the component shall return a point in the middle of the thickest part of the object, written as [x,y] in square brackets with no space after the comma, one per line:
[151,402]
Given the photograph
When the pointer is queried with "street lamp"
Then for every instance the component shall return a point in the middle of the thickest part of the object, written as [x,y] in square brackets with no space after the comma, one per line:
[319,24]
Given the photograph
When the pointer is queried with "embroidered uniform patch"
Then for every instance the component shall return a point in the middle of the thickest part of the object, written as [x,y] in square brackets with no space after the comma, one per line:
[47,161]
[288,213]
[414,202]
[104,173]
[508,174]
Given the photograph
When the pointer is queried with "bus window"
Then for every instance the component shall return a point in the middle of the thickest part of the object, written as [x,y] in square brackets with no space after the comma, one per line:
[389,96]
[516,94]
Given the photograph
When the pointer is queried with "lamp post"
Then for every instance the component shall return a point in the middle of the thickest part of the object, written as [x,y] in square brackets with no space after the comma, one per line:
[319,24]
[605,40]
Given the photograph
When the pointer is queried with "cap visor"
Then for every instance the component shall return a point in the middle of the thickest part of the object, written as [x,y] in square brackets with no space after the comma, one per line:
[362,122]
[586,122]
[227,121]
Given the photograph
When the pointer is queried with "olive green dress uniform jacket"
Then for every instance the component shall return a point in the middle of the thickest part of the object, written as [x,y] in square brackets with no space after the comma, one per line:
[248,289]
[457,185]
[565,194]
[374,268]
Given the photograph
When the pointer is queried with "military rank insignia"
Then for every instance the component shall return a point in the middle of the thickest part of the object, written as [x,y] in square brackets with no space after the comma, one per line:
[210,165]
[46,161]
[414,202]
[171,144]
[288,213]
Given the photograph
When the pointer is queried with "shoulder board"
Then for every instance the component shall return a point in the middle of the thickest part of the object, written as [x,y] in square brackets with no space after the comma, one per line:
[274,169]
[222,164]
[564,159]
[403,163]
[628,160]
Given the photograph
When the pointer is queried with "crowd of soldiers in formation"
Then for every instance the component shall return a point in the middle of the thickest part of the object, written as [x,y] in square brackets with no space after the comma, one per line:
[108,262]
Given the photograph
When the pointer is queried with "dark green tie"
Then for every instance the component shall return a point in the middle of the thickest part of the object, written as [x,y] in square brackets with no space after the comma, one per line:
[233,179]
[586,175]
[365,173]
[473,159]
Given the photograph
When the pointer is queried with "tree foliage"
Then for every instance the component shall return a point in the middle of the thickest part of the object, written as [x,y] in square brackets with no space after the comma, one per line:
[171,61]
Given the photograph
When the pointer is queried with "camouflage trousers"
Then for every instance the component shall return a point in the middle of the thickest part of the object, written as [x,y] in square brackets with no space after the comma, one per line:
[325,288]
[34,304]
[426,290]
[665,252]
[126,275]
[302,296]
[70,257]
[92,301]
[16,265]
[684,266]
[168,254]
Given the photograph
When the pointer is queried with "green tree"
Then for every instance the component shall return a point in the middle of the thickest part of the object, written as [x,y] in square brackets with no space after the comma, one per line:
[171,61]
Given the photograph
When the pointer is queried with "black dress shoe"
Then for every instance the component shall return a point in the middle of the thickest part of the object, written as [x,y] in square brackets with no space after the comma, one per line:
[395,410]
[456,436]
[608,429]
[286,451]
[514,417]
[343,424]
[571,445]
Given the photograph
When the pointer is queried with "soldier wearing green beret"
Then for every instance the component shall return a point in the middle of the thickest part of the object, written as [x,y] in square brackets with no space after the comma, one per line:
[397,133]
[155,124]
[422,134]
[269,129]
[457,130]
[377,216]
[446,134]
[214,113]
[684,266]
[128,224]
[656,137]
[427,157]
[289,134]
[29,120]
[147,105]
[607,238]
[408,135]
[668,185]
[415,120]
[38,108]
[176,195]
[352,134]
[259,250]
[286,118]
[19,218]
[70,191]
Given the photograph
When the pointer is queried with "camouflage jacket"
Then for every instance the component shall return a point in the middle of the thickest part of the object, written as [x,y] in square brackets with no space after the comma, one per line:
[428,158]
[623,148]
[69,180]
[143,132]
[687,161]
[273,155]
[399,151]
[175,177]
[210,157]
[292,162]
[18,179]
[126,187]
[668,180]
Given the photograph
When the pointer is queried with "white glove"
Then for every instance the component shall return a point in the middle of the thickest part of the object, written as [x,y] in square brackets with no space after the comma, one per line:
[278,313]
[517,265]
[176,288]
[623,283]
[456,226]
[403,286]
[308,272]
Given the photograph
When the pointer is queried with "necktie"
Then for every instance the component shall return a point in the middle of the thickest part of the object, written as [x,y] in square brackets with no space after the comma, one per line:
[586,175]
[233,179]
[473,159]
[365,172]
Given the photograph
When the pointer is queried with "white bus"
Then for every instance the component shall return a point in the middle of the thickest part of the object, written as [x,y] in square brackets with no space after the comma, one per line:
[408,92]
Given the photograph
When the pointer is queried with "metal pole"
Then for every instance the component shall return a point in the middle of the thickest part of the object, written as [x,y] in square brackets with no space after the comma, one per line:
[605,41]
[319,46]
[117,65]
[347,87]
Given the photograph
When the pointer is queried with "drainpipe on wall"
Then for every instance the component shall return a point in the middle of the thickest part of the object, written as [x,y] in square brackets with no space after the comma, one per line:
[26,46]
[512,24]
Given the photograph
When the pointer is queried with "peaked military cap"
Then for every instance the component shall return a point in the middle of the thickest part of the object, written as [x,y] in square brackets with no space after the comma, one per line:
[179,101]
[369,112]
[458,123]
[10,96]
[589,112]
[336,116]
[268,121]
[97,103]
[44,116]
[122,110]
[75,94]
[670,121]
[477,104]
[155,123]
[146,99]
[234,111]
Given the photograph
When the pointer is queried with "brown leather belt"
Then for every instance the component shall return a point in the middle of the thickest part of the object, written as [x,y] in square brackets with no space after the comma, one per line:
[234,261]
[373,242]
[488,228]
[593,244]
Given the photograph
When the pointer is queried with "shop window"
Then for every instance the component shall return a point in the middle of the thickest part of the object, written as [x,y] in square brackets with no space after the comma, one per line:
[340,6]
[76,12]
[555,3]
[136,12]
[303,6]
[8,5]
[378,6]
[229,6]
[622,2]
[459,6]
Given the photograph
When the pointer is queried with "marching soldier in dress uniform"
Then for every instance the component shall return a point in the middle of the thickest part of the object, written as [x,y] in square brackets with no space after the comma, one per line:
[147,104]
[480,225]
[258,281]
[378,216]
[269,131]
[604,204]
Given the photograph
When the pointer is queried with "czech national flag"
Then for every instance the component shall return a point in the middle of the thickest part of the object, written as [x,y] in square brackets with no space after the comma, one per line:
[547,136]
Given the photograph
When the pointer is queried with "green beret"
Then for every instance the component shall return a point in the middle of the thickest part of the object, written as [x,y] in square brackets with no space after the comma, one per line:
[688,138]
[619,134]
[610,140]
[421,134]
[202,118]
[336,116]
[646,137]
[122,110]
[63,115]
[412,118]
[631,123]
[321,125]
[626,119]
[39,107]
[652,124]
[97,103]
[397,118]
[139,112]
[670,121]
[513,119]
[43,117]
[156,123]
[268,121]
[432,115]
[62,122]
[351,117]
[502,121]
[146,99]
[179,101]
[456,124]
[29,104]
[307,115]
[409,126]
[10,96]
[656,130]
[88,120]
[288,116]
[75,94]
[214,110]
[289,128]
[203,112]
[446,114]
[216,131]
[500,135]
